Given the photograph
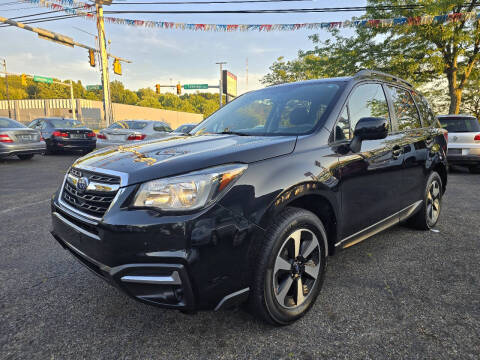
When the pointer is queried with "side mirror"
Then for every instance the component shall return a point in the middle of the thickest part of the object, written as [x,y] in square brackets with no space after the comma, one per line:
[368,128]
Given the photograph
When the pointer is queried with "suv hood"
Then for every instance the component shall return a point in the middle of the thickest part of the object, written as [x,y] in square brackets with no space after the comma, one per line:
[181,154]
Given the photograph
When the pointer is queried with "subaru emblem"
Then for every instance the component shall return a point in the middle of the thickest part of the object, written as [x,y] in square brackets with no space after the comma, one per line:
[82,184]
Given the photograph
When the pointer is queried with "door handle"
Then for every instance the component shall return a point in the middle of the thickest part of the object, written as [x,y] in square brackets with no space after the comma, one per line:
[396,151]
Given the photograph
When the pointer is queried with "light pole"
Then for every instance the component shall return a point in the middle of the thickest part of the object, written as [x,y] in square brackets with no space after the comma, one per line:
[6,86]
[220,83]
[107,106]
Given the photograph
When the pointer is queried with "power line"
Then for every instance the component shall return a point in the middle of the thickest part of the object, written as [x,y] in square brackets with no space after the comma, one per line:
[42,13]
[204,2]
[46,19]
[274,11]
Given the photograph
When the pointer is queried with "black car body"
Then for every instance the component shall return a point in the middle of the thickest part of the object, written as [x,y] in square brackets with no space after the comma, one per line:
[344,184]
[62,134]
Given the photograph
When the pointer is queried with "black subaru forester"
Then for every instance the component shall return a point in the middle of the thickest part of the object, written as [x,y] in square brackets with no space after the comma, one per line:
[249,204]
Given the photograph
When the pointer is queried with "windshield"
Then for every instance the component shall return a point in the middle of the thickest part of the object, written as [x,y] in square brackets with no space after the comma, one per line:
[65,123]
[460,124]
[6,123]
[284,110]
[133,125]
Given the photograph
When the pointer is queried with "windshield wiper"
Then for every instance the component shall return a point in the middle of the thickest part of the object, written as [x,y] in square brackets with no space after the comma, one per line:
[233,133]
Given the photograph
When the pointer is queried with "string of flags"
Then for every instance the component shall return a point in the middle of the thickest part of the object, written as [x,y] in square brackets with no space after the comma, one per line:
[78,8]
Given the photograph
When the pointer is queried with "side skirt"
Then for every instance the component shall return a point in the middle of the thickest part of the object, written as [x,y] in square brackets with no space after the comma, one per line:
[380,226]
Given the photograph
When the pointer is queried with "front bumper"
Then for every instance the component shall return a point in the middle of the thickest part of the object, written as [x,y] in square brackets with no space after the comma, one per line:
[188,262]
[11,149]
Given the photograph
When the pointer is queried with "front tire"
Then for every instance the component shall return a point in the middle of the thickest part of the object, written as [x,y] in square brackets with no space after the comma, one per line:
[427,217]
[25,156]
[474,169]
[290,267]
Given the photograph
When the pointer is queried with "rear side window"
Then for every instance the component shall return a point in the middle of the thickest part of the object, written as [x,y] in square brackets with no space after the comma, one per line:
[367,100]
[404,108]
[460,124]
[426,112]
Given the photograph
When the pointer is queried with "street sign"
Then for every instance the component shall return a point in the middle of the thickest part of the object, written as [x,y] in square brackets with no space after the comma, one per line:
[43,79]
[94,87]
[195,86]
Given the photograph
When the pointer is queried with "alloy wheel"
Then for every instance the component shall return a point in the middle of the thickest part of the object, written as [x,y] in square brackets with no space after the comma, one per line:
[433,202]
[296,268]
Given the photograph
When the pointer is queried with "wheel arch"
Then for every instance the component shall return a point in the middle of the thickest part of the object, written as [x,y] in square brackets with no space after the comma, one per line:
[323,209]
[441,169]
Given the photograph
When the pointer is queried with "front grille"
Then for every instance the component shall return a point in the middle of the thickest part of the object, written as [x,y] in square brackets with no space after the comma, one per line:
[92,176]
[90,202]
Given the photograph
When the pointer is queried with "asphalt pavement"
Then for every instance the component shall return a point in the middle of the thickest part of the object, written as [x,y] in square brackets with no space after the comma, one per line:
[402,294]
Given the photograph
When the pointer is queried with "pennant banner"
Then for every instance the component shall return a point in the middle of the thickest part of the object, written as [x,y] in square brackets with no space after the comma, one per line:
[77,8]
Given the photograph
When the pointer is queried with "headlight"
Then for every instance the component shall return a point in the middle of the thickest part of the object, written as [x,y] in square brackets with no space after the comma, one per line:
[190,191]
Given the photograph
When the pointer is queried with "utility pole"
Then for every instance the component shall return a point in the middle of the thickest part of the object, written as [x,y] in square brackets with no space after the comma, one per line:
[6,86]
[220,83]
[74,115]
[107,107]
[246,89]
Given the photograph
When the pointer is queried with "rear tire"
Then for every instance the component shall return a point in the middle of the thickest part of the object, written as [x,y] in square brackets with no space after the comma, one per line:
[25,156]
[290,267]
[428,215]
[474,169]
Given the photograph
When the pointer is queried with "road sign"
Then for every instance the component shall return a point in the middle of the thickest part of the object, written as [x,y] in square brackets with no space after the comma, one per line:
[94,87]
[195,86]
[43,79]
[229,83]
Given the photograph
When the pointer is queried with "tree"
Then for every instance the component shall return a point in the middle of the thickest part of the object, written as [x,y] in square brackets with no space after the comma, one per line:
[471,98]
[418,53]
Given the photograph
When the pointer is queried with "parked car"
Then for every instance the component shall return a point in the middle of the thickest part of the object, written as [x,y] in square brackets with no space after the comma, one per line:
[249,207]
[463,140]
[132,131]
[64,134]
[18,140]
[184,129]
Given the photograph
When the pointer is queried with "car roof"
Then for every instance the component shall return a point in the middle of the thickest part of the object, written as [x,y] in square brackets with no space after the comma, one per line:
[453,116]
[361,75]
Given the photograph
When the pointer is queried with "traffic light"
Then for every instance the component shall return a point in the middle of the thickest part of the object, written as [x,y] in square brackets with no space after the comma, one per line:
[24,80]
[91,57]
[179,89]
[157,89]
[117,67]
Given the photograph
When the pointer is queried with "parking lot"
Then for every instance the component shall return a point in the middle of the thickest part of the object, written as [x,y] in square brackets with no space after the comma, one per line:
[401,294]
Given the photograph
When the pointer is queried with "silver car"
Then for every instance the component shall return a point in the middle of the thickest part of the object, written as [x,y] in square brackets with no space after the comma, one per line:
[18,140]
[131,131]
[463,140]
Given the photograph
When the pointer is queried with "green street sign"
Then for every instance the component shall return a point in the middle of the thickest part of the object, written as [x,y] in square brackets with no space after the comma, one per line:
[42,79]
[94,87]
[195,86]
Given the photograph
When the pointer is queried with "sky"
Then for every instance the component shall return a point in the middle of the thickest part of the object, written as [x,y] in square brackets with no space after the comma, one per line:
[166,56]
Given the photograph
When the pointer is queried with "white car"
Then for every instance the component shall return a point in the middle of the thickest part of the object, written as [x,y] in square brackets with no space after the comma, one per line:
[128,132]
[463,140]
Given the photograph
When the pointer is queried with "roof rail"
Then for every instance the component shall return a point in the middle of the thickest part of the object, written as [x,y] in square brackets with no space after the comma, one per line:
[374,73]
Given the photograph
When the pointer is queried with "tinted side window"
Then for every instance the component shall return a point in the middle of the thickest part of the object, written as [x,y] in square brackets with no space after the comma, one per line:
[405,109]
[426,113]
[33,124]
[367,100]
